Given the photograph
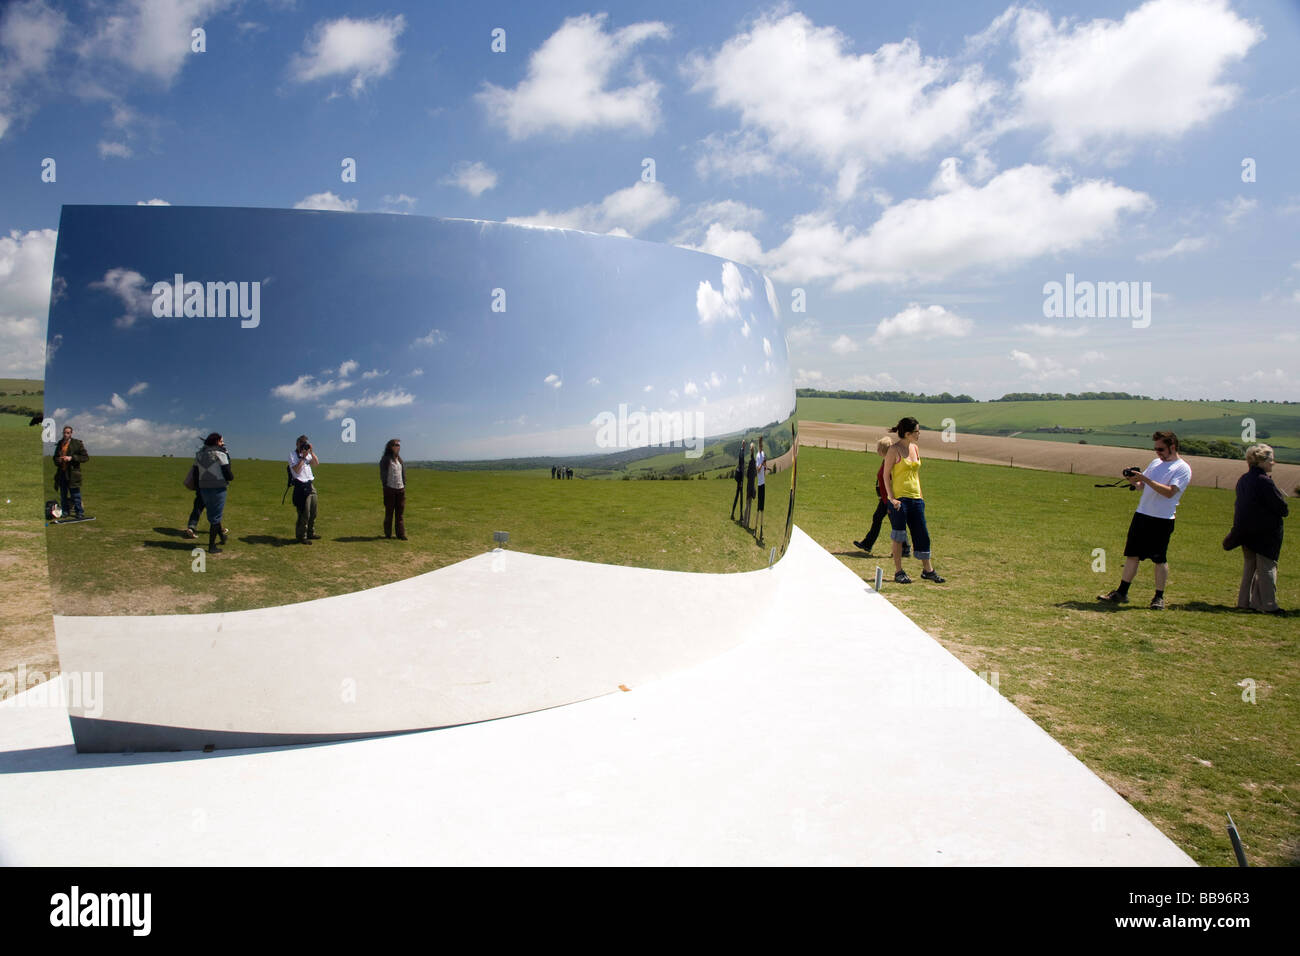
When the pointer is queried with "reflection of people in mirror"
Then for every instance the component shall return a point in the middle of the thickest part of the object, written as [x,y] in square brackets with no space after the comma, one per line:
[301,460]
[392,473]
[902,474]
[214,475]
[760,465]
[750,473]
[740,481]
[68,456]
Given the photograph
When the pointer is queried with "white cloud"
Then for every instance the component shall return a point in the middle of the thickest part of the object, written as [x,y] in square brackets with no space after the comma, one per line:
[107,435]
[803,332]
[416,372]
[553,380]
[803,377]
[629,211]
[1016,216]
[120,150]
[712,304]
[917,322]
[347,368]
[26,268]
[29,34]
[137,388]
[1054,331]
[401,199]
[593,381]
[767,348]
[736,244]
[567,88]
[805,90]
[287,417]
[326,201]
[1101,85]
[150,36]
[129,286]
[475,178]
[1041,369]
[374,373]
[1092,356]
[363,50]
[305,388]
[435,337]
[1181,247]
[152,202]
[690,388]
[844,345]
[116,405]
[391,399]
[1235,210]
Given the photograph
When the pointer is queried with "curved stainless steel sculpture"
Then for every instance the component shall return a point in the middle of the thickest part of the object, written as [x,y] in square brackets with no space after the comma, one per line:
[588,396]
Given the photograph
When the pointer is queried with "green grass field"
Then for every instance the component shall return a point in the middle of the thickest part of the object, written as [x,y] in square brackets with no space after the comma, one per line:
[133,560]
[1127,423]
[1151,701]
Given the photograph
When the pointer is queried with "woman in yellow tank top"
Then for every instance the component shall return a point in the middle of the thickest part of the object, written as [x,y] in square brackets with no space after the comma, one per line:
[902,476]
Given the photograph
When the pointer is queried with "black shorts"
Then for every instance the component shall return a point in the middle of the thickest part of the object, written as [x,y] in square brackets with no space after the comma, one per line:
[1148,538]
[761,489]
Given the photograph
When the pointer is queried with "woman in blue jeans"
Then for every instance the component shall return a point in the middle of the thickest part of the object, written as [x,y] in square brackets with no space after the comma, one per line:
[213,465]
[902,475]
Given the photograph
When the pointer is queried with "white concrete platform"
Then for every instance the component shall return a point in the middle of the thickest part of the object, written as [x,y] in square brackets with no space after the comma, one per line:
[837,733]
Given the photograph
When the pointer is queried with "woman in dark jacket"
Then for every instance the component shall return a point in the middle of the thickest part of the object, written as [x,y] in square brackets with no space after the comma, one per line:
[392,474]
[1257,527]
[214,474]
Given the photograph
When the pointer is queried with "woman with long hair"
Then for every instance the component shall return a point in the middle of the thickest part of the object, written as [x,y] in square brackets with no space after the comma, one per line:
[392,473]
[902,476]
[214,476]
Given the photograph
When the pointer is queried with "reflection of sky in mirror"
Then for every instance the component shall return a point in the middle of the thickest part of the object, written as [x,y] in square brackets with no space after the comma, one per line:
[395,322]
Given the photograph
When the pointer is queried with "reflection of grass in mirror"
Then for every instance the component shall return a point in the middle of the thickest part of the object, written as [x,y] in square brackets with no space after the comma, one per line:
[1150,700]
[132,560]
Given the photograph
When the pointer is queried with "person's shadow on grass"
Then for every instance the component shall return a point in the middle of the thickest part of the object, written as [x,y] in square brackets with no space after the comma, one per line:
[183,544]
[267,539]
[358,537]
[1103,606]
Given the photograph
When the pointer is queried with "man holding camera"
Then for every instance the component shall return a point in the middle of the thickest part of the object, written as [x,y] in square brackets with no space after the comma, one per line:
[1163,481]
[301,461]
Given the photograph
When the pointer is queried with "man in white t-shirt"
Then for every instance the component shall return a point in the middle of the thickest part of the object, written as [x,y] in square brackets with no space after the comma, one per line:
[760,460]
[1163,481]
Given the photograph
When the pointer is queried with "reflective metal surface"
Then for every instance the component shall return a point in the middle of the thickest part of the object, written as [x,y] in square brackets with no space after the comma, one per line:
[588,395]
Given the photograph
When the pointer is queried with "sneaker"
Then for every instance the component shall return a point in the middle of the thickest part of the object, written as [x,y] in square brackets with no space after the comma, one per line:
[1157,604]
[933,576]
[1114,597]
[188,533]
[861,546]
[901,577]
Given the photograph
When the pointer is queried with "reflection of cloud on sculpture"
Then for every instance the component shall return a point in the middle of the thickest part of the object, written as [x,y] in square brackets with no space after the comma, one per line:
[130,287]
[651,322]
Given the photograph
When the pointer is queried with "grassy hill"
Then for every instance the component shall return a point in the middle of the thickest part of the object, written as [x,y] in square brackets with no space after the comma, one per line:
[1126,423]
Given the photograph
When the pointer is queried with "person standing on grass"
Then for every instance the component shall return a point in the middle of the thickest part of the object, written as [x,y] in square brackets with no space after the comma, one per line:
[740,482]
[760,466]
[69,454]
[902,477]
[301,460]
[750,474]
[392,473]
[1257,528]
[196,512]
[213,464]
[1164,480]
[882,502]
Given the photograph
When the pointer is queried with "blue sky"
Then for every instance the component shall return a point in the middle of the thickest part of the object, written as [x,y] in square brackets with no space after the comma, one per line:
[467,340]
[920,171]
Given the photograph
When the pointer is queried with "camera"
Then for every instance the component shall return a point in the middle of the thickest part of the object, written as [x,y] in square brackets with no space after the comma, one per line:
[1130,472]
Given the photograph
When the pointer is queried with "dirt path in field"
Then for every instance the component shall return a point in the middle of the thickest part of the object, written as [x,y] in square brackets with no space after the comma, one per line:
[1102,460]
